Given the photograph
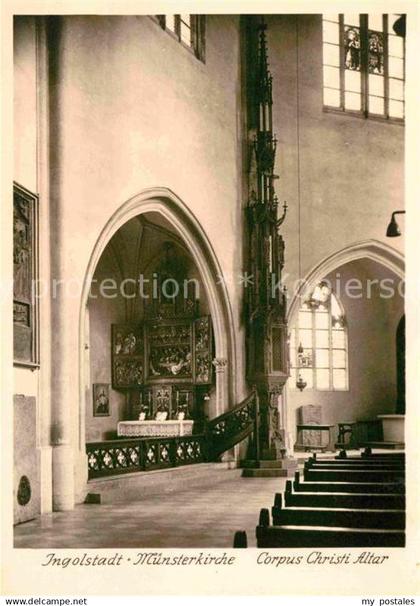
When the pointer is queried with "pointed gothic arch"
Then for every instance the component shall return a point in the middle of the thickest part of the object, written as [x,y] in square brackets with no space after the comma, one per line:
[163,201]
[375,250]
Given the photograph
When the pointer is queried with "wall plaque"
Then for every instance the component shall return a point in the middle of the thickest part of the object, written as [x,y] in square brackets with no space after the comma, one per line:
[25,276]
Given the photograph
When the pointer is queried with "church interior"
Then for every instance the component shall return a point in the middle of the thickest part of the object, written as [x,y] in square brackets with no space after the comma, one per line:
[208,299]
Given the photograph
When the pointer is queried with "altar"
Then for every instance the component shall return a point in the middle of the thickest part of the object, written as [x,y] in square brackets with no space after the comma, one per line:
[153,428]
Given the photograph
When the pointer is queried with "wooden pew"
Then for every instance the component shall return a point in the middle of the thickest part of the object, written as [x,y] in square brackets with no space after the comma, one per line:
[312,536]
[356,475]
[397,487]
[337,517]
[354,464]
[348,500]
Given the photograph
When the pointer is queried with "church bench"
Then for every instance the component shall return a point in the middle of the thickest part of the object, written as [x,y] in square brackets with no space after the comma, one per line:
[357,475]
[342,517]
[347,500]
[359,487]
[353,464]
[311,536]
[352,468]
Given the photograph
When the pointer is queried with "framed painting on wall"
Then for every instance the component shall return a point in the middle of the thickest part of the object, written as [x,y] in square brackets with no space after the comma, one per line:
[101,400]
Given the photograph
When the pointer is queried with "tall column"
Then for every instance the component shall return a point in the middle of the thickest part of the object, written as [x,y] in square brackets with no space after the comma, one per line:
[44,395]
[64,333]
[222,393]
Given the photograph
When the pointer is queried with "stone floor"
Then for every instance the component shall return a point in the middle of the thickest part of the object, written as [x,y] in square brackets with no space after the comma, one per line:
[191,517]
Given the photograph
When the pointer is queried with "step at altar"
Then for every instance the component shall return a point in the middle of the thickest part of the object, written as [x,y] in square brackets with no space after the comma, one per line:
[268,468]
[135,486]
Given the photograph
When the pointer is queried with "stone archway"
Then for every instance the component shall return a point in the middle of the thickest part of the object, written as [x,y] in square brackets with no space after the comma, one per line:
[375,250]
[165,202]
[370,251]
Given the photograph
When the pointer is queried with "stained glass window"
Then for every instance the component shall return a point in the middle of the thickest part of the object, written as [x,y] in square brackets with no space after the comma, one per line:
[318,342]
[363,64]
[352,47]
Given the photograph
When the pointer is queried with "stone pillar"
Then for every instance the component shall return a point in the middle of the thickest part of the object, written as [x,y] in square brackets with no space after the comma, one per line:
[222,392]
[64,319]
[44,399]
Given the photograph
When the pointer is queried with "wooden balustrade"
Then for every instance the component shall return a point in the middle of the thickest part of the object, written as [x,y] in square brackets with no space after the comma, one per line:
[127,455]
[143,454]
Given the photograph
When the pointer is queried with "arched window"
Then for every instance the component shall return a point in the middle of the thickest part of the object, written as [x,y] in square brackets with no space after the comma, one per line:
[318,342]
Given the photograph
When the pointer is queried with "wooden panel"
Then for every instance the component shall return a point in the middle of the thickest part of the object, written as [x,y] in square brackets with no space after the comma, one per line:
[127,356]
[25,275]
[203,350]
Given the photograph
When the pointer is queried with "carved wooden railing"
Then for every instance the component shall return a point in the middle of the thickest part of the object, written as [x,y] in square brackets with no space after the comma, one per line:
[127,455]
[232,427]
[143,454]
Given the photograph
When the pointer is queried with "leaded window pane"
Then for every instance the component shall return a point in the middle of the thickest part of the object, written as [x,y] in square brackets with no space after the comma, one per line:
[305,338]
[353,101]
[376,105]
[321,319]
[338,339]
[322,348]
[305,359]
[339,379]
[352,81]
[185,33]
[352,48]
[396,67]
[396,89]
[351,19]
[354,70]
[330,32]
[332,17]
[376,85]
[322,338]
[332,97]
[322,358]
[338,358]
[332,55]
[396,109]
[305,319]
[376,53]
[171,22]
[376,22]
[331,76]
[391,21]
[396,46]
[322,378]
[307,375]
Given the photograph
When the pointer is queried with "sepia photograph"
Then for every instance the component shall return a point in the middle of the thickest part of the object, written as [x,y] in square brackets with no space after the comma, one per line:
[209,306]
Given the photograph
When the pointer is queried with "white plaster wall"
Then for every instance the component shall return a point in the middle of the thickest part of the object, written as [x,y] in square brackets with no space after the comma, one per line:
[24,109]
[102,313]
[371,324]
[352,170]
[134,110]
[25,141]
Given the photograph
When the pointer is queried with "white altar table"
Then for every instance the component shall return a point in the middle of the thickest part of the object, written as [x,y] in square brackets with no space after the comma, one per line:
[142,429]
